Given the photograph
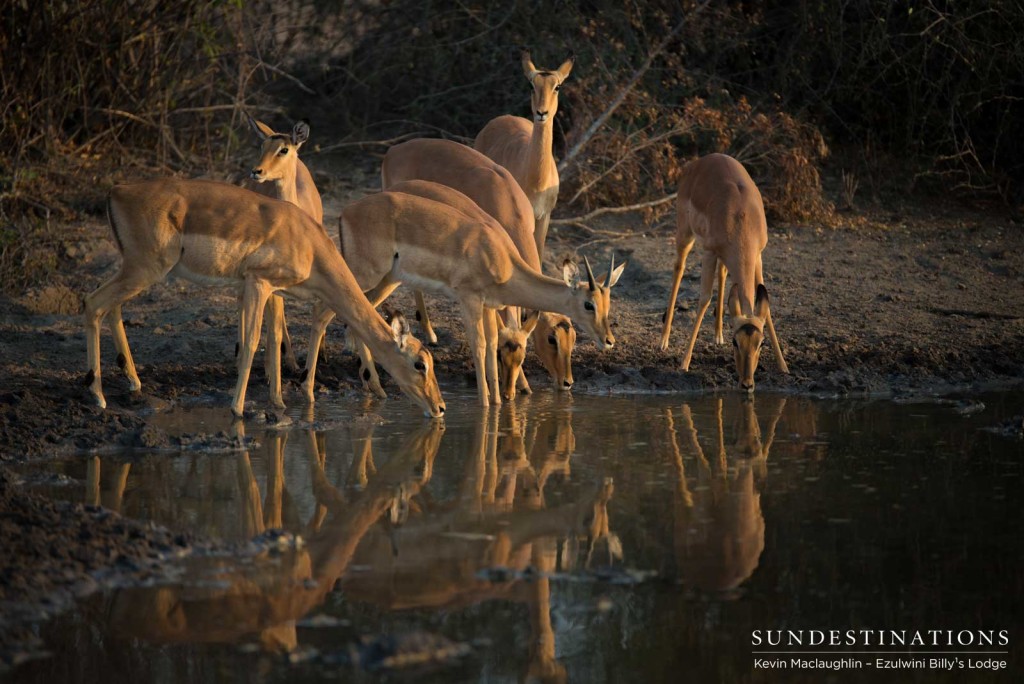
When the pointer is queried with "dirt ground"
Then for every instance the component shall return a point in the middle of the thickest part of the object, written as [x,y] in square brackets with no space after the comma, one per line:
[919,300]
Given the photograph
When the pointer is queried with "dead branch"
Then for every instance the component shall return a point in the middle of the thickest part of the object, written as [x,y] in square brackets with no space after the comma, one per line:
[581,220]
[626,89]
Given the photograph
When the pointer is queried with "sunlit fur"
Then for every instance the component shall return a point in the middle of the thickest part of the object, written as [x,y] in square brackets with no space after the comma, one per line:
[219,234]
[279,173]
[720,209]
[554,339]
[512,338]
[524,146]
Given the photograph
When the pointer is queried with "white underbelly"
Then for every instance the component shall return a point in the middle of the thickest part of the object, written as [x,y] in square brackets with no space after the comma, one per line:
[180,270]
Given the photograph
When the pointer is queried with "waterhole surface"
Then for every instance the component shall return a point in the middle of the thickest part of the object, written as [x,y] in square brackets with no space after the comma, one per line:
[582,538]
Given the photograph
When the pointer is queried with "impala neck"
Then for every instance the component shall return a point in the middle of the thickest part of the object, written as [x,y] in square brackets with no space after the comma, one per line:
[284,188]
[540,161]
[533,290]
[342,294]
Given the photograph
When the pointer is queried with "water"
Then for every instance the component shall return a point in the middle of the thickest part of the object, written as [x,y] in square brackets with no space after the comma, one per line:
[581,538]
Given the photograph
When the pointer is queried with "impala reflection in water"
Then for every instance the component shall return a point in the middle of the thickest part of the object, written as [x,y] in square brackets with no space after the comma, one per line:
[556,538]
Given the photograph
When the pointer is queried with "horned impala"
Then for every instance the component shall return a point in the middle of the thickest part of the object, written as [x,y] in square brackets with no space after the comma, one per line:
[524,147]
[218,234]
[394,237]
[720,204]
[498,194]
[280,174]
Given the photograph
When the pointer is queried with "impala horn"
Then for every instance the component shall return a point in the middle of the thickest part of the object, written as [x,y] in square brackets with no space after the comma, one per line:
[590,275]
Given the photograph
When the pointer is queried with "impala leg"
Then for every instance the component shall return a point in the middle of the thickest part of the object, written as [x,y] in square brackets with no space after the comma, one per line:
[322,316]
[368,371]
[540,234]
[707,283]
[274,313]
[108,298]
[491,350]
[473,315]
[720,309]
[776,348]
[683,248]
[424,319]
[124,354]
[254,298]
[522,383]
[287,350]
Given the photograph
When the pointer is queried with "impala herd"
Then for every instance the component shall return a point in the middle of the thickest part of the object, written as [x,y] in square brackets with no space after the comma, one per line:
[450,219]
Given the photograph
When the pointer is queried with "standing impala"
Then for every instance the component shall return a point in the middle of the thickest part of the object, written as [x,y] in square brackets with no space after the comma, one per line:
[219,234]
[524,147]
[497,193]
[394,237]
[719,203]
[280,174]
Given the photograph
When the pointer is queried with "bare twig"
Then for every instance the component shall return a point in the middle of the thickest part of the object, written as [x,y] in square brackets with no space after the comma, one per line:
[626,89]
[581,220]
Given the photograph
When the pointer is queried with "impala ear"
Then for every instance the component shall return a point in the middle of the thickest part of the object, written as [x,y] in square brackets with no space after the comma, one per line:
[529,70]
[571,273]
[300,133]
[530,323]
[563,71]
[400,330]
[262,130]
[734,302]
[614,273]
[761,302]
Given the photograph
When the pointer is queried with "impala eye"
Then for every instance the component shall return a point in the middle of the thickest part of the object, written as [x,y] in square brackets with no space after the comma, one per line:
[552,340]
[589,306]
[284,151]
[557,88]
[420,366]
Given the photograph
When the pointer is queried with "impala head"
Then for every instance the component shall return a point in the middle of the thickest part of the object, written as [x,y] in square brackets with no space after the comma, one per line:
[554,340]
[592,299]
[544,100]
[512,352]
[416,375]
[748,335]
[278,151]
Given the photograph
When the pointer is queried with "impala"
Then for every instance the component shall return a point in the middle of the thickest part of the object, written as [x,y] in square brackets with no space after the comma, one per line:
[280,174]
[393,237]
[719,203]
[524,147]
[498,194]
[218,234]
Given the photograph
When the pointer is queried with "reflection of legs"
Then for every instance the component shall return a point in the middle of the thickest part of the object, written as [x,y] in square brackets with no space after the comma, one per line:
[326,495]
[252,510]
[707,282]
[720,309]
[116,495]
[272,505]
[677,458]
[421,315]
